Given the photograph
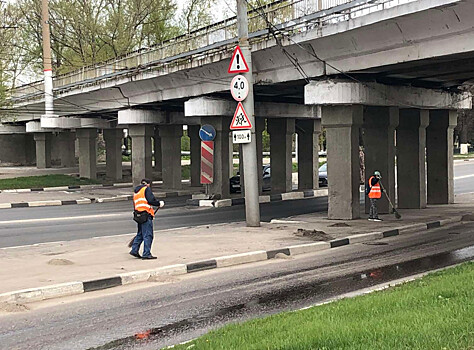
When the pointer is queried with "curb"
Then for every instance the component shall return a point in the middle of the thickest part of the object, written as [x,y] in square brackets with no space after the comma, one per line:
[75,288]
[120,198]
[220,203]
[65,188]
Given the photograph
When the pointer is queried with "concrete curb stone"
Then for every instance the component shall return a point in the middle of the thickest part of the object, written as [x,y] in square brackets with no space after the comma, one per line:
[219,203]
[119,198]
[65,188]
[74,288]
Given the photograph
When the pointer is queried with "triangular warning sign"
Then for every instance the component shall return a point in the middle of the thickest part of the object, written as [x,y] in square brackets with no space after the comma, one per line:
[240,120]
[238,63]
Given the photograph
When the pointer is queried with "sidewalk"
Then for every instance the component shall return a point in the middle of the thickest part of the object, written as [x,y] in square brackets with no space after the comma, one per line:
[186,250]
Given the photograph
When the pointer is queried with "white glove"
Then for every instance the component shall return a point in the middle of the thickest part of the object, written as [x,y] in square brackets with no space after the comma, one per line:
[162,204]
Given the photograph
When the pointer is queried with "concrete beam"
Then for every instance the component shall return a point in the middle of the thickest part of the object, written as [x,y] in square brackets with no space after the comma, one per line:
[74,123]
[12,129]
[35,126]
[281,135]
[308,153]
[340,92]
[342,125]
[411,149]
[87,140]
[141,116]
[141,152]
[379,142]
[43,149]
[171,155]
[439,157]
[214,107]
[113,152]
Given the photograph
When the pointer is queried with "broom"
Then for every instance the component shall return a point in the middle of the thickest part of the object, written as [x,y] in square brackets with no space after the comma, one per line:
[394,211]
[133,238]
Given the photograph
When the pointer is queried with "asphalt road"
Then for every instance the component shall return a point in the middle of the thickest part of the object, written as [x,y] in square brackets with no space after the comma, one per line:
[464,177]
[176,310]
[24,226]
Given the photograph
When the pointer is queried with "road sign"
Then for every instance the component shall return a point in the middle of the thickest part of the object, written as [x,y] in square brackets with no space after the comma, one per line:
[238,63]
[241,136]
[240,120]
[207,162]
[239,87]
[207,133]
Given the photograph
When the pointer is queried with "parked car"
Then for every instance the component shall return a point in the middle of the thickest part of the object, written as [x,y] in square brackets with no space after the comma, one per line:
[323,175]
[266,185]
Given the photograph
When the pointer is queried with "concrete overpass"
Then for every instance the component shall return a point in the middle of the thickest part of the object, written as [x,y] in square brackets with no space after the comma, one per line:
[378,74]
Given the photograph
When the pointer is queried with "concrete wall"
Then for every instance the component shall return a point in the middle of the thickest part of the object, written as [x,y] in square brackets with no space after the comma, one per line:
[18,149]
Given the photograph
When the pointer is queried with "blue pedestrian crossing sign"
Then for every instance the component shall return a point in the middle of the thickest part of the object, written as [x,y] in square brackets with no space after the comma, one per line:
[207,133]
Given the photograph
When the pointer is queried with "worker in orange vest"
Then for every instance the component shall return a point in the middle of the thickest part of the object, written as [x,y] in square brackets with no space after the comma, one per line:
[374,191]
[143,200]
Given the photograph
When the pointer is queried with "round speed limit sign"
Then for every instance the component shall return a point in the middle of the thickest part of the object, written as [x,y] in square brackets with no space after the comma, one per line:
[239,87]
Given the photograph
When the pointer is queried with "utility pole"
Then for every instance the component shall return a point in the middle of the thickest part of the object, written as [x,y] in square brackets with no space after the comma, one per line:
[48,68]
[249,150]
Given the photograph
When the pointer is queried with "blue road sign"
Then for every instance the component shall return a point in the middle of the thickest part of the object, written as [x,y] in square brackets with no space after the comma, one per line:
[207,133]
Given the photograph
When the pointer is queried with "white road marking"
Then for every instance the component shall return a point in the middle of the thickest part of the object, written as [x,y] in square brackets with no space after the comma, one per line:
[26,221]
[463,177]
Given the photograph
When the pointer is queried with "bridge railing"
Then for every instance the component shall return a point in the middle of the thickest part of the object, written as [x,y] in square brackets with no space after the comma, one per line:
[284,15]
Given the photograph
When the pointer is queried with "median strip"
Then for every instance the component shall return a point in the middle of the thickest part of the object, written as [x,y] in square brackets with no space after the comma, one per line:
[118,198]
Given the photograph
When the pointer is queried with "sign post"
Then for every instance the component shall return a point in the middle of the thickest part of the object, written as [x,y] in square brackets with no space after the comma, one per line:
[244,119]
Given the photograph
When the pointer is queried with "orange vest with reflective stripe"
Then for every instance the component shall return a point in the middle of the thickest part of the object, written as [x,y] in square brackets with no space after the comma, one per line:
[140,203]
[375,191]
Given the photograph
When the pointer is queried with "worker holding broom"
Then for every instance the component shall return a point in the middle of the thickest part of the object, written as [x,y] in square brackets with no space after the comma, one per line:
[374,191]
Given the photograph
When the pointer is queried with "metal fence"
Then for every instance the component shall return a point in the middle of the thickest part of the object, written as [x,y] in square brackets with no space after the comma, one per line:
[287,16]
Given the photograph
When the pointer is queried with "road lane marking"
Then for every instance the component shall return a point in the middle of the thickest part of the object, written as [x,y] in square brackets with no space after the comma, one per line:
[463,177]
[26,221]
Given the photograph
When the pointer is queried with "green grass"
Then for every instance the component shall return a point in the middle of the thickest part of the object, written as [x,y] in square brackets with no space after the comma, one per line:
[43,181]
[464,156]
[432,313]
[185,172]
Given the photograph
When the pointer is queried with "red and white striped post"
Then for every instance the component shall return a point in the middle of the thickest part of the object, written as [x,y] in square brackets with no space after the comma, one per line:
[207,162]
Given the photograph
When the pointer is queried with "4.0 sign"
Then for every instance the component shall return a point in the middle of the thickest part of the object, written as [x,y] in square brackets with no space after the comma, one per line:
[239,87]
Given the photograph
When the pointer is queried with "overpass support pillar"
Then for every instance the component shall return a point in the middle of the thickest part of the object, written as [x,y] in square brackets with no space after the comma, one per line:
[113,144]
[220,187]
[87,153]
[43,149]
[171,153]
[308,153]
[195,150]
[439,156]
[141,135]
[158,165]
[281,134]
[67,141]
[342,125]
[259,127]
[379,143]
[411,172]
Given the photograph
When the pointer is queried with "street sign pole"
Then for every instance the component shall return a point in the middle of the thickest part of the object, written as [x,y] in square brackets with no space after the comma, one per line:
[249,150]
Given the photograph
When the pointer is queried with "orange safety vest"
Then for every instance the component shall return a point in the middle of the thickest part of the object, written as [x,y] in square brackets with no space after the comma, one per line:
[140,202]
[375,191]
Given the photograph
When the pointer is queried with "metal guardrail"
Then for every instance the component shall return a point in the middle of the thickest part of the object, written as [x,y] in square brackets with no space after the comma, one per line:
[288,16]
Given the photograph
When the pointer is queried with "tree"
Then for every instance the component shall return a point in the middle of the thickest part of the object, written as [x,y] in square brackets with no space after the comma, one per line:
[196,14]
[86,32]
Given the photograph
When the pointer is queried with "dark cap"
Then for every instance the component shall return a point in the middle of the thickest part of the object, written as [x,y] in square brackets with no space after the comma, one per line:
[146,182]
